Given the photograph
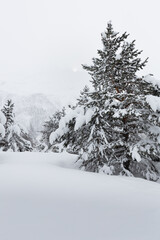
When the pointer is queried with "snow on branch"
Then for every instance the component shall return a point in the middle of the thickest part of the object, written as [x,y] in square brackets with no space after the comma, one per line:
[81,117]
[154,102]
[135,154]
[151,79]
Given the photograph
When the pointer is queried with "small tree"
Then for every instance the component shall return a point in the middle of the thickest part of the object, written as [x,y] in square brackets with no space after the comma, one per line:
[50,126]
[8,111]
[15,139]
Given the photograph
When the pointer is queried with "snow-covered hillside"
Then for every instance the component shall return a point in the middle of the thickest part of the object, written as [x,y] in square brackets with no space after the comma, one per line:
[43,198]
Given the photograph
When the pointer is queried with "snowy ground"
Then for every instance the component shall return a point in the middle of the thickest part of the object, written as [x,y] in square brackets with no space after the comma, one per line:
[43,198]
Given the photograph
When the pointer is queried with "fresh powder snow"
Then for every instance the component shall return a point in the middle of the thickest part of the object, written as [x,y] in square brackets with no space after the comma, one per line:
[43,196]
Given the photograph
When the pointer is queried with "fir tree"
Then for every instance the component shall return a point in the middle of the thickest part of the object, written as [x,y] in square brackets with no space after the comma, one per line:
[74,136]
[65,135]
[15,139]
[50,126]
[113,126]
[8,111]
[120,137]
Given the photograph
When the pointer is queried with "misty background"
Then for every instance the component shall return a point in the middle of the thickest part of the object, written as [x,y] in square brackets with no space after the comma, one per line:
[44,42]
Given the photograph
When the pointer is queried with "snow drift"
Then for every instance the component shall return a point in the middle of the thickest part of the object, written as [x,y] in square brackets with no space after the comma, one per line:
[43,197]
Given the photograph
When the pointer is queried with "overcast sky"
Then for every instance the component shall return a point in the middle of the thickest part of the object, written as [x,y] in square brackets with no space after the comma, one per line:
[44,42]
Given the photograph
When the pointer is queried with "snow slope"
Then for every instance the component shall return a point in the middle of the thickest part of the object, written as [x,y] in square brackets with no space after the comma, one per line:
[43,198]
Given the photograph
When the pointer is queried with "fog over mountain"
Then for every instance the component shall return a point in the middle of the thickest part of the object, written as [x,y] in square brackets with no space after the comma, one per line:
[32,110]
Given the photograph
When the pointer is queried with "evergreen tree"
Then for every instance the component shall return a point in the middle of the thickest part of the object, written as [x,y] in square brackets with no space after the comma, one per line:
[120,139]
[75,130]
[65,135]
[15,139]
[116,132]
[8,112]
[50,126]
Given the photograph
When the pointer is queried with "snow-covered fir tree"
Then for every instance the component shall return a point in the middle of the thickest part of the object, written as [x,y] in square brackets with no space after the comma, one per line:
[117,129]
[15,139]
[49,126]
[8,111]
[72,130]
[121,141]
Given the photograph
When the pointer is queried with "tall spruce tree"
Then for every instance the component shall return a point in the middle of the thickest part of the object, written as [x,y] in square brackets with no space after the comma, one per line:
[113,126]
[120,141]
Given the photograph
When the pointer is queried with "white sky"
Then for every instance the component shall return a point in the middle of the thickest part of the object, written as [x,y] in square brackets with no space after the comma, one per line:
[44,42]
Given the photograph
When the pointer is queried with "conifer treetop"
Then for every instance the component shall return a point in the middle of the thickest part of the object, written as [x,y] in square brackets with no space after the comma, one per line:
[118,61]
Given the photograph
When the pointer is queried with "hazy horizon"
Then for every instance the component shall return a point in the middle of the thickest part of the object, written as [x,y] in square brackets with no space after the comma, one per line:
[43,43]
